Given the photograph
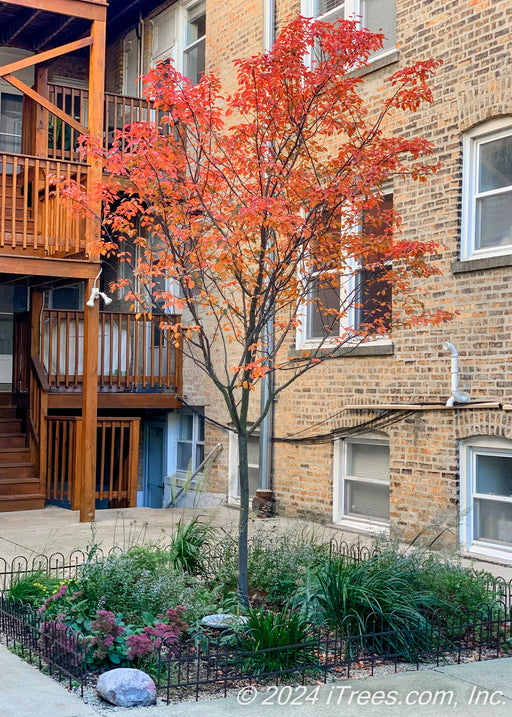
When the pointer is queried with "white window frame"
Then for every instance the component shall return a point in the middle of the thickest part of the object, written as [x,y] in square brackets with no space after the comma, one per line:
[132,44]
[340,474]
[471,144]
[196,418]
[354,10]
[469,450]
[348,285]
[233,476]
[177,46]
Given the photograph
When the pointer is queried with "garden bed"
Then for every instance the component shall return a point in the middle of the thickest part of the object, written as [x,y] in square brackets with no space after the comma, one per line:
[318,611]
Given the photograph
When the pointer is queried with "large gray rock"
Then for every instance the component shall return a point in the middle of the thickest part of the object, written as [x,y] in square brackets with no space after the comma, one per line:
[127,687]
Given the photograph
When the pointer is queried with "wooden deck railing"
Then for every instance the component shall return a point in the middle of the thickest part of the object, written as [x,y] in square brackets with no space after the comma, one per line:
[33,214]
[62,138]
[120,111]
[117,461]
[133,353]
[38,411]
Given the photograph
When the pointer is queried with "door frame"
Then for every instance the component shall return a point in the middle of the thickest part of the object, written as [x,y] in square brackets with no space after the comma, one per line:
[148,424]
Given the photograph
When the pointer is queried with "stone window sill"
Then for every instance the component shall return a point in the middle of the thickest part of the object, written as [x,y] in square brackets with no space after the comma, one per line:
[378,64]
[489,262]
[371,349]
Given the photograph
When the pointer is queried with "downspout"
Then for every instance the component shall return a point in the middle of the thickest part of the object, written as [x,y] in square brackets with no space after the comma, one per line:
[267,424]
[269,19]
[456,397]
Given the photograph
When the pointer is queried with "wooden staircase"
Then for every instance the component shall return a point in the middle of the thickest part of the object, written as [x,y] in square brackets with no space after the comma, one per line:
[19,485]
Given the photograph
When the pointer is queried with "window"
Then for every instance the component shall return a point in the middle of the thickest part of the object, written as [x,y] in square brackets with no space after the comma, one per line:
[361,482]
[253,456]
[179,33]
[364,297]
[195,35]
[190,453]
[10,122]
[487,190]
[376,15]
[486,496]
[132,65]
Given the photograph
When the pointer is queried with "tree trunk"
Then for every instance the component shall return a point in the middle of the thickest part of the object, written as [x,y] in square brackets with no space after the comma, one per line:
[243,469]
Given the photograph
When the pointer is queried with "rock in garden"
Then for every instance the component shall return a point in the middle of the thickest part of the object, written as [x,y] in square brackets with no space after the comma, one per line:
[126,687]
[223,621]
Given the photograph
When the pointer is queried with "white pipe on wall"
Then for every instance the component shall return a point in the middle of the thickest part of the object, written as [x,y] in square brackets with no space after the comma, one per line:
[456,397]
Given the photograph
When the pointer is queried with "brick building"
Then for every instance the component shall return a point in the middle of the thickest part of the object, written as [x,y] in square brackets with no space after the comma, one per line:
[422,465]
[426,466]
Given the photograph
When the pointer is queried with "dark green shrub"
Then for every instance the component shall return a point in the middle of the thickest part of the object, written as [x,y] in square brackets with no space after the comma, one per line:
[187,543]
[374,596]
[275,642]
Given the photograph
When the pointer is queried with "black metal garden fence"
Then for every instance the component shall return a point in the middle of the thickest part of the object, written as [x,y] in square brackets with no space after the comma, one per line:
[231,659]
[47,643]
[221,660]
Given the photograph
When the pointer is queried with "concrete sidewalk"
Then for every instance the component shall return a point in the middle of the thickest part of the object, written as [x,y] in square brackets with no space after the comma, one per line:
[478,688]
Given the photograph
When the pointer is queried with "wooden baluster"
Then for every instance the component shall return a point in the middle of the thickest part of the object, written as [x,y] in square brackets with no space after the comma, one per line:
[14,199]
[51,376]
[128,351]
[160,355]
[25,202]
[133,463]
[121,492]
[169,348]
[3,203]
[58,349]
[119,352]
[68,214]
[46,222]
[111,472]
[111,352]
[101,351]
[35,203]
[74,488]
[136,332]
[77,346]
[144,349]
[102,459]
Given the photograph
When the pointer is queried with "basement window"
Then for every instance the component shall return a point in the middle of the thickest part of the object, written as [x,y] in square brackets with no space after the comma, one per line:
[486,497]
[361,482]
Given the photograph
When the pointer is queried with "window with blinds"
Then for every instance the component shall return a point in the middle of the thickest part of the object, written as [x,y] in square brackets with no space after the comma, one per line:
[376,15]
[380,16]
[366,482]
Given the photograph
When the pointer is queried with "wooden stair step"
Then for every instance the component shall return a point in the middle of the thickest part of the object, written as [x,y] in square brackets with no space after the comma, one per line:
[22,449]
[9,425]
[8,412]
[19,486]
[31,501]
[16,469]
[6,399]
[12,440]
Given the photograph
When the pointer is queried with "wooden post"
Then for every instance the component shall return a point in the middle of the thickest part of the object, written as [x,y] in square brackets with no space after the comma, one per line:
[87,476]
[40,146]
[36,306]
[91,315]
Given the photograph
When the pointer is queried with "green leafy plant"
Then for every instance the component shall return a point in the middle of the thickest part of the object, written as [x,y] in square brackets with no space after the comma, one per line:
[371,596]
[273,642]
[279,563]
[34,587]
[187,542]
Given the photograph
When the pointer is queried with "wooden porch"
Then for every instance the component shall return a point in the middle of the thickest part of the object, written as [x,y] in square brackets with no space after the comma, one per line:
[41,448]
[59,430]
